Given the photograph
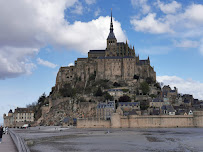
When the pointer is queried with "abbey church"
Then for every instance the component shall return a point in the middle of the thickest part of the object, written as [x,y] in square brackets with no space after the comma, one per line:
[118,62]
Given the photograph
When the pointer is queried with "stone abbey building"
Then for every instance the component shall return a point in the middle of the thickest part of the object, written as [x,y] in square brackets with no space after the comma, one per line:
[118,62]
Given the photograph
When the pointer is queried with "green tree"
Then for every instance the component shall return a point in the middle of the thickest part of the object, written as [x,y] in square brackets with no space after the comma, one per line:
[149,80]
[144,86]
[81,99]
[144,105]
[98,92]
[153,95]
[107,96]
[125,98]
[116,84]
[42,98]
[67,90]
[92,76]
[157,85]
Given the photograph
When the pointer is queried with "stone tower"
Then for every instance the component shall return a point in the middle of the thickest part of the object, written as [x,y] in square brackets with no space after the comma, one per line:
[111,41]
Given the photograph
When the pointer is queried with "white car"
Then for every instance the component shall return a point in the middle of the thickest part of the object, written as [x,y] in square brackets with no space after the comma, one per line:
[25,126]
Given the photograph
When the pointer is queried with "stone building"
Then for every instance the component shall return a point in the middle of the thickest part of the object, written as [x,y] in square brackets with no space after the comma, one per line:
[9,120]
[157,103]
[118,62]
[187,98]
[19,117]
[116,93]
[128,108]
[24,115]
[105,110]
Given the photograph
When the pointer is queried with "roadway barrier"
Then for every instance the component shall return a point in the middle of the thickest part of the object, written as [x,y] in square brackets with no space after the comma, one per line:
[19,142]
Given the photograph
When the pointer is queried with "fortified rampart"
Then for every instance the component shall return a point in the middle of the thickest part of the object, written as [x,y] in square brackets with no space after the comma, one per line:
[93,123]
[162,121]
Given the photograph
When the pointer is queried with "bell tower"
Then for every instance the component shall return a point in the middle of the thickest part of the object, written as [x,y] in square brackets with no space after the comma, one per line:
[111,41]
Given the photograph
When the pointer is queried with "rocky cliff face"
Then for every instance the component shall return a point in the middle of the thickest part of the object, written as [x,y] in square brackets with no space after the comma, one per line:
[67,109]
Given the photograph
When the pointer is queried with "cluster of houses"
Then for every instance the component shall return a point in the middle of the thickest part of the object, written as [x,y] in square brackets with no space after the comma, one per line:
[19,117]
[172,103]
[168,102]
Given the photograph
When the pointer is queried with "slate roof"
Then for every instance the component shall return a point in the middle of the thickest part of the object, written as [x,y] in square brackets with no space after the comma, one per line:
[128,103]
[186,101]
[97,51]
[157,100]
[120,43]
[143,62]
[114,57]
[169,108]
[110,104]
[114,90]
[111,35]
[23,110]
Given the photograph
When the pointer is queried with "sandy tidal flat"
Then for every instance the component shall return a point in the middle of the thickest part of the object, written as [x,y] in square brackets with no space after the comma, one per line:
[55,139]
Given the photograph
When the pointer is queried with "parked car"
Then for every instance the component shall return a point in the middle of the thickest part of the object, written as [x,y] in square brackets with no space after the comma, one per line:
[25,126]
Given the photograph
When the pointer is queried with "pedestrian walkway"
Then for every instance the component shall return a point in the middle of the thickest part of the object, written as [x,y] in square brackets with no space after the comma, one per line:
[7,144]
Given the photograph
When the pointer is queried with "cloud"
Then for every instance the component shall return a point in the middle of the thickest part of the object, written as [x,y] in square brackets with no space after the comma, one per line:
[16,61]
[181,23]
[187,44]
[188,86]
[35,24]
[78,9]
[89,2]
[170,7]
[201,47]
[97,12]
[193,12]
[142,5]
[151,24]
[46,63]
[71,64]
[184,25]
[154,50]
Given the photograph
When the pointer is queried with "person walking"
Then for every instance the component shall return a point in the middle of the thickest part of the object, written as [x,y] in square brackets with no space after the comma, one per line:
[1,133]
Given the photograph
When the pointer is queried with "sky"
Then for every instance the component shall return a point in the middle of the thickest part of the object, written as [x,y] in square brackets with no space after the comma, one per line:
[38,37]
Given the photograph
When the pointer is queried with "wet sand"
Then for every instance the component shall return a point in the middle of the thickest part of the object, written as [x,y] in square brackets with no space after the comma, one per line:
[52,139]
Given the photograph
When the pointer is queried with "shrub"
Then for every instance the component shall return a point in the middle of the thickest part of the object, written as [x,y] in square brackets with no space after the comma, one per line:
[107,96]
[98,92]
[149,80]
[144,86]
[125,98]
[116,84]
[144,105]
[81,99]
[125,90]
[136,77]
[67,91]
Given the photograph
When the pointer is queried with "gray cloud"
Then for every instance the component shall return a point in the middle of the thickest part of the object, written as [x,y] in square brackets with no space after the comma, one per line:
[30,25]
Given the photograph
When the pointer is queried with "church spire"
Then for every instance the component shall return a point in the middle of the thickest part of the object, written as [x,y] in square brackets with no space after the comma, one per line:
[111,25]
[111,34]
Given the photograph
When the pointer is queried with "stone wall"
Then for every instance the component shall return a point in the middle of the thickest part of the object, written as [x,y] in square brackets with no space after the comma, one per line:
[93,123]
[198,118]
[135,121]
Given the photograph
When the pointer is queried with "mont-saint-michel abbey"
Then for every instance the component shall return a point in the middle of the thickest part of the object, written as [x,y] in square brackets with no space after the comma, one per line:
[118,62]
[95,101]
[111,88]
